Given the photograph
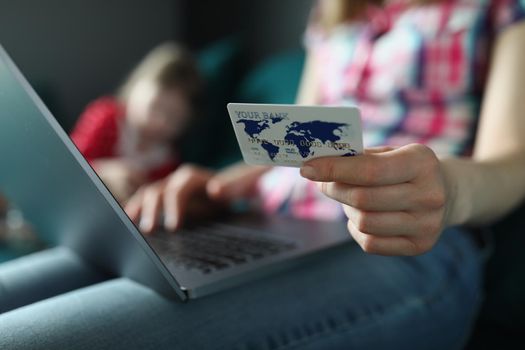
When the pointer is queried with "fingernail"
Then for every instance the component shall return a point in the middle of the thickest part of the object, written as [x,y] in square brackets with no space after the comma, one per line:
[170,222]
[308,172]
[145,224]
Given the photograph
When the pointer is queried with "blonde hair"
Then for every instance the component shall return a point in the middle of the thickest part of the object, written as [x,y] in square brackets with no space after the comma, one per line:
[168,66]
[341,11]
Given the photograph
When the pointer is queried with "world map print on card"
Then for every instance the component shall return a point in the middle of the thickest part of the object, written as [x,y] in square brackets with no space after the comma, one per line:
[289,135]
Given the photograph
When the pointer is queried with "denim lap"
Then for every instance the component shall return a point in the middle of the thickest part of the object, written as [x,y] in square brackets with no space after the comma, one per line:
[342,299]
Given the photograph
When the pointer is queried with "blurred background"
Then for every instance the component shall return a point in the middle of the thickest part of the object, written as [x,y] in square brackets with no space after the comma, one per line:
[73,52]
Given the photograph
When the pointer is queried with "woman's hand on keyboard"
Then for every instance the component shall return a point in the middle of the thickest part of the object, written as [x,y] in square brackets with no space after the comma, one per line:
[190,191]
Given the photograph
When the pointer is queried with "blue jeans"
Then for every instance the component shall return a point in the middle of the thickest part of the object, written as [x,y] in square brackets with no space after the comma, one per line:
[345,299]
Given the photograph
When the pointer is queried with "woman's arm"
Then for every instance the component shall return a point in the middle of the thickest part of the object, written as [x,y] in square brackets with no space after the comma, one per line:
[493,182]
[399,200]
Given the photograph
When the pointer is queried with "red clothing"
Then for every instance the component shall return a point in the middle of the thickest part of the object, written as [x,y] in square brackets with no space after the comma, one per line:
[98,131]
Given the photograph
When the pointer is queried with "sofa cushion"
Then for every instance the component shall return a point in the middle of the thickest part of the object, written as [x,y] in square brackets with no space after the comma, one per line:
[505,275]
[276,80]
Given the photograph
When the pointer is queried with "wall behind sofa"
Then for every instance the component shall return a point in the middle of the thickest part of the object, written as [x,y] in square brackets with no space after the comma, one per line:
[268,26]
[73,51]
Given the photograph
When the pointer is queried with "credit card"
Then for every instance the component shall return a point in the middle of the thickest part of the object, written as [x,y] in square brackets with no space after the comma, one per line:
[289,135]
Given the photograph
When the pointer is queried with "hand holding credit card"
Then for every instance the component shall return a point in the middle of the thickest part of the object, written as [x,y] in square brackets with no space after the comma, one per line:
[289,135]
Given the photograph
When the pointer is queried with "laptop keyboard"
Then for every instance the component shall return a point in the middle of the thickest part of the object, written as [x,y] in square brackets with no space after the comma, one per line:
[217,247]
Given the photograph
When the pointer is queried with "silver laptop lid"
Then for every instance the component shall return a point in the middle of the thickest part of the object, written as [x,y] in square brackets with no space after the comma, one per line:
[43,173]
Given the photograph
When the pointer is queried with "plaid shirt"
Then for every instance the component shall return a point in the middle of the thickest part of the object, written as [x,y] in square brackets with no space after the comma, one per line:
[416,72]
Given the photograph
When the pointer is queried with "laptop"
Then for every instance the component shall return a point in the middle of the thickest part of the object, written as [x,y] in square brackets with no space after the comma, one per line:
[45,176]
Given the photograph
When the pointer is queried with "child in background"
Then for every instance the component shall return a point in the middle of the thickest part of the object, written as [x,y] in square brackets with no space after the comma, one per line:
[131,139]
